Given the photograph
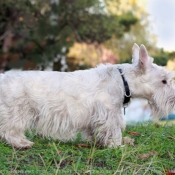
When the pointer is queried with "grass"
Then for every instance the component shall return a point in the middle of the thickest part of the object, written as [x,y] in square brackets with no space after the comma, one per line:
[153,153]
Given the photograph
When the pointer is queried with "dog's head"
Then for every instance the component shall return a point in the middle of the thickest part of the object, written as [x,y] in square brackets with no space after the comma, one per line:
[155,82]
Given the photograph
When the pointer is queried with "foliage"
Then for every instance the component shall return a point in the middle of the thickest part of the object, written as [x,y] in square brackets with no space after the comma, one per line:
[161,59]
[43,31]
[140,33]
[153,153]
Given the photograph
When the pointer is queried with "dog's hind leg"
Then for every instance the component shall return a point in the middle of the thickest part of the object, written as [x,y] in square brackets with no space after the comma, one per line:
[87,134]
[13,124]
[16,139]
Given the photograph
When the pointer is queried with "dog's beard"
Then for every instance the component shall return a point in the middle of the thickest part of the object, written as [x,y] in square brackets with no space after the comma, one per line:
[161,106]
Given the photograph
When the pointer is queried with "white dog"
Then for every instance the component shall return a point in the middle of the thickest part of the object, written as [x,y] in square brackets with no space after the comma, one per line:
[90,102]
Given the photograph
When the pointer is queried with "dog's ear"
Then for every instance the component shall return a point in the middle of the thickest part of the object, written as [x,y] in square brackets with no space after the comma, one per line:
[135,54]
[145,60]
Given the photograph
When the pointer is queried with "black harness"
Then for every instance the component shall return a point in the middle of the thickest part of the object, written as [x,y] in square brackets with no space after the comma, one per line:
[127,90]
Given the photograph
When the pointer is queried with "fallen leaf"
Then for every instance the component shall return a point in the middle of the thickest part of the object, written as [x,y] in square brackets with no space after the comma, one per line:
[157,125]
[170,137]
[59,152]
[170,172]
[144,156]
[169,153]
[128,140]
[133,133]
[82,145]
[42,153]
[152,153]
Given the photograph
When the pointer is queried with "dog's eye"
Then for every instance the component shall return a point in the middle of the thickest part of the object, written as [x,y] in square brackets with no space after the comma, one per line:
[164,81]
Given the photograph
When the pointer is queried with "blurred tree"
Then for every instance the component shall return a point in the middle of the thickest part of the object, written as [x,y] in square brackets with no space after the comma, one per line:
[171,61]
[165,58]
[40,32]
[140,33]
[84,55]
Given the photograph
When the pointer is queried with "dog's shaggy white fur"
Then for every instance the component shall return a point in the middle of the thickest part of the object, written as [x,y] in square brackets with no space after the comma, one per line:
[61,105]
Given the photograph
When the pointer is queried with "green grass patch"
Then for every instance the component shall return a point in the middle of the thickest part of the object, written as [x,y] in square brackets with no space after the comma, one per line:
[153,153]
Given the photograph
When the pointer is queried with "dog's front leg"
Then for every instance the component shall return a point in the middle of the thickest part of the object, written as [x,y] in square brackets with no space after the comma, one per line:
[108,135]
[116,137]
[107,125]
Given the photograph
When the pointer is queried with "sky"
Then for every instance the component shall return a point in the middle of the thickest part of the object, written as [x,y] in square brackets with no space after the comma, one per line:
[162,18]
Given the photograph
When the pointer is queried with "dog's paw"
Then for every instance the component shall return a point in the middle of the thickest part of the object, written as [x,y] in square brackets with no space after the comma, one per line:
[27,143]
[113,144]
[23,144]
